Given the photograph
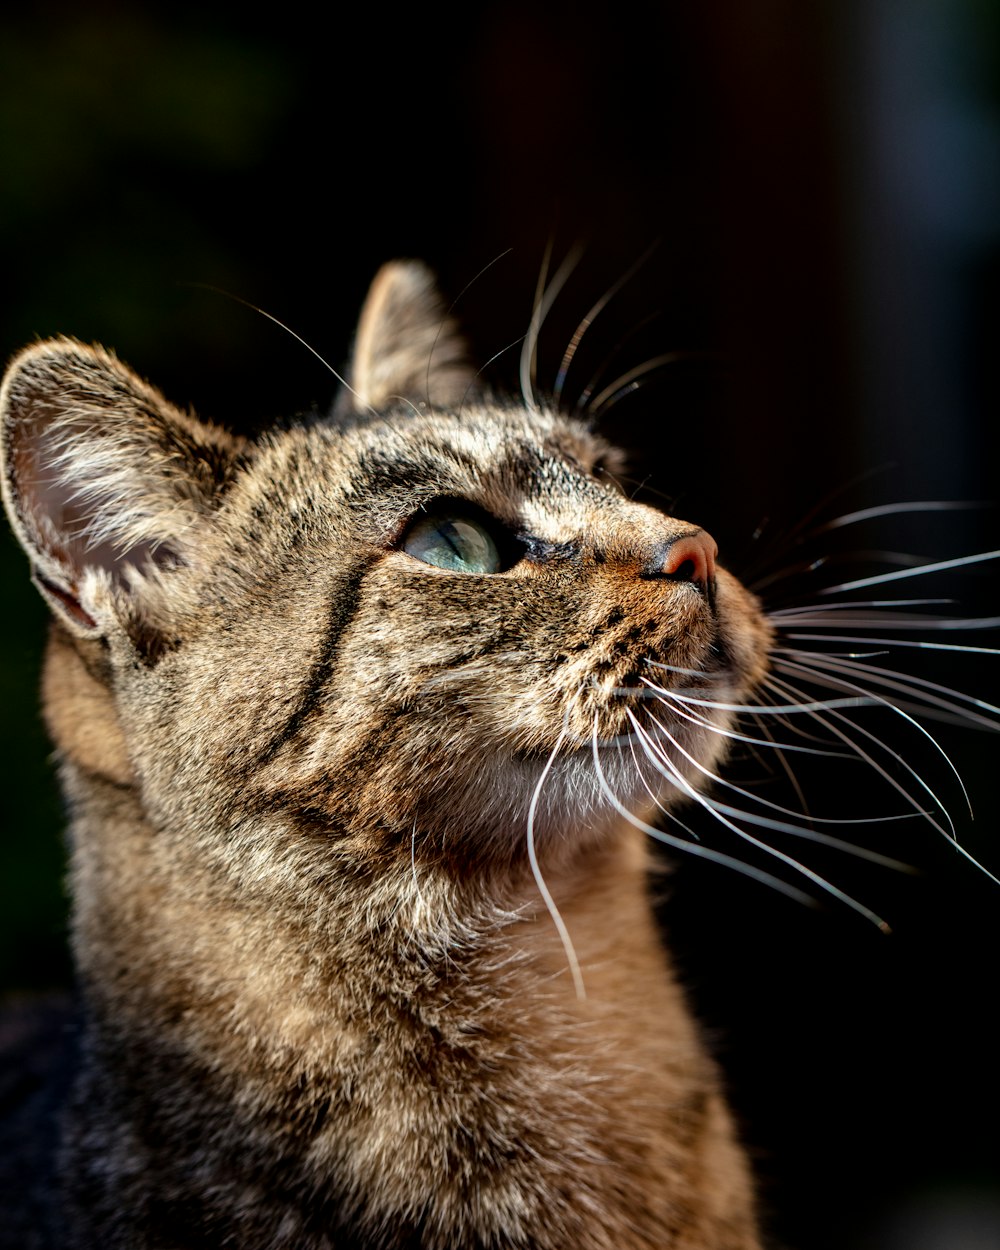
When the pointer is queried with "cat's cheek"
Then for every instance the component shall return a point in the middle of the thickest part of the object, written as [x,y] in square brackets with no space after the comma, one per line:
[80,711]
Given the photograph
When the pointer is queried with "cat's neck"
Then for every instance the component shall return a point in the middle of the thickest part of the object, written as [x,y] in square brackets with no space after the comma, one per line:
[411,941]
[408,1026]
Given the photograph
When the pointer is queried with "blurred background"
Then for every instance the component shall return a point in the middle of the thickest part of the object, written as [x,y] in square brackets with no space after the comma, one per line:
[807,193]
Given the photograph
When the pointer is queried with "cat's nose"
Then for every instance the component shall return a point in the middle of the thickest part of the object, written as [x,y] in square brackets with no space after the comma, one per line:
[689,558]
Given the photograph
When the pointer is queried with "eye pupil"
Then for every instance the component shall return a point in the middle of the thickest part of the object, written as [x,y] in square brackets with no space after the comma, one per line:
[459,543]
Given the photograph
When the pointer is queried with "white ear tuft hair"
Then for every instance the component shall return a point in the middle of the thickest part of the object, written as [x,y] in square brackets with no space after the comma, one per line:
[101,475]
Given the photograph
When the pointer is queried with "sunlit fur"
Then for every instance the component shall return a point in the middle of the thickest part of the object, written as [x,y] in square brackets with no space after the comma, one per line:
[359,845]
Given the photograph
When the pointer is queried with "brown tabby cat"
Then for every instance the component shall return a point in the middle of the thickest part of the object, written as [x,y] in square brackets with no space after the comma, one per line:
[330,707]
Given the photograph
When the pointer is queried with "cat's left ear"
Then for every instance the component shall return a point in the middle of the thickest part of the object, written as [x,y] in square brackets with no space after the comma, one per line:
[105,482]
[407,347]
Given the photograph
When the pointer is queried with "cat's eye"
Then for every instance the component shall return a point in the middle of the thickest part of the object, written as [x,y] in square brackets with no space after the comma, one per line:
[455,541]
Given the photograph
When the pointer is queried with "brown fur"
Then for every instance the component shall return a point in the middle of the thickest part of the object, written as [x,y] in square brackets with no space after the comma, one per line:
[325,1002]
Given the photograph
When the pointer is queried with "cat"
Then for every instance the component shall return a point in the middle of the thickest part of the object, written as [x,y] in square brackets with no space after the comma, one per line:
[362,725]
[365,946]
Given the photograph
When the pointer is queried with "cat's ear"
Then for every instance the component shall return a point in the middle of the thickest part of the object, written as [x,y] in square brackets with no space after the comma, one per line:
[407,347]
[104,481]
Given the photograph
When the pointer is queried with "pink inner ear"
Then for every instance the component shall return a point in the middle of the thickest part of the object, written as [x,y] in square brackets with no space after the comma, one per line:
[61,516]
[69,602]
[43,500]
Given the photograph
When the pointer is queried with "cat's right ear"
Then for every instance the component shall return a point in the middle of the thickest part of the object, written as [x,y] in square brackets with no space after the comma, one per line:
[104,481]
[407,347]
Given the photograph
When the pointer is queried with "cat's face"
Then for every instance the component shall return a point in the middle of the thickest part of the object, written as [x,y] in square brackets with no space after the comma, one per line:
[395,629]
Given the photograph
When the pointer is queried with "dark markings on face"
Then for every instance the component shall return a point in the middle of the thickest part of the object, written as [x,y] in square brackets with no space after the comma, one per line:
[152,644]
[383,474]
[343,605]
[538,551]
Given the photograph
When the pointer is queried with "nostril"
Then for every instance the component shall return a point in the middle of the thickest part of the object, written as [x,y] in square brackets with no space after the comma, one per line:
[691,558]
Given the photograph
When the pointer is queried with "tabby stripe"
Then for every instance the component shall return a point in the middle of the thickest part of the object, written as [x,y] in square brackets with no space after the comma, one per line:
[343,605]
[382,475]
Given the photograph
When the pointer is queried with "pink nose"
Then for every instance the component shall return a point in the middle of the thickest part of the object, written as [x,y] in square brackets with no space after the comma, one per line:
[695,550]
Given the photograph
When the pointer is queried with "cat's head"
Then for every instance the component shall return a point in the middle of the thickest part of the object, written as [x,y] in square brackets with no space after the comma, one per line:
[395,631]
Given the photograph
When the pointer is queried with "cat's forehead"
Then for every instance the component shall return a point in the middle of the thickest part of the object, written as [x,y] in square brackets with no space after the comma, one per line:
[521,465]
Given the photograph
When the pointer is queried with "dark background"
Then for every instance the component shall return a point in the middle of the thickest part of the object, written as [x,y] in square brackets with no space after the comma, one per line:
[821,181]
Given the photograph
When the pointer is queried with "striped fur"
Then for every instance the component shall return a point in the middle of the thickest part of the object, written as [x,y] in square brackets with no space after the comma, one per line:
[325,1003]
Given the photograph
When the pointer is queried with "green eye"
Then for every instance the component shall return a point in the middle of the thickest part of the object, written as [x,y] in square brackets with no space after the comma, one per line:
[453,542]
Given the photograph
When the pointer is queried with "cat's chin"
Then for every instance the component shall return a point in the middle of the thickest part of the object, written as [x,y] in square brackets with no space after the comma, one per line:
[581,797]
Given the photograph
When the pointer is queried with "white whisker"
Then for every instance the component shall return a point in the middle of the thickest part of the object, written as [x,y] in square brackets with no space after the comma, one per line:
[677,778]
[657,801]
[894,642]
[206,286]
[543,889]
[544,299]
[451,308]
[413,863]
[937,567]
[780,614]
[628,380]
[482,369]
[788,709]
[951,838]
[684,672]
[906,683]
[734,735]
[408,403]
[789,771]
[809,670]
[948,833]
[779,826]
[894,509]
[588,320]
[581,407]
[756,798]
[689,848]
[888,620]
